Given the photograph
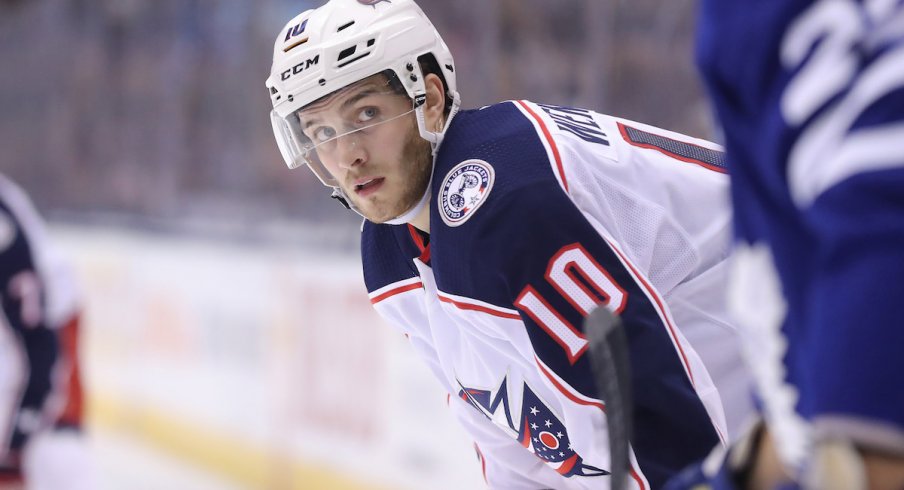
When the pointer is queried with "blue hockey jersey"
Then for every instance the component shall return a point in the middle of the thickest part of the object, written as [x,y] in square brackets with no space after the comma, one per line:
[538,214]
[811,98]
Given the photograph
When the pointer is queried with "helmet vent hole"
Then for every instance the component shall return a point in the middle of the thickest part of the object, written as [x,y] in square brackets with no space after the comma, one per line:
[346,53]
[371,42]
[345,26]
[362,55]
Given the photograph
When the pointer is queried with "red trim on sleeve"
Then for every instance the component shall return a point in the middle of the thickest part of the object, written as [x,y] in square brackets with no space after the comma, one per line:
[552,379]
[398,290]
[552,143]
[482,309]
[659,305]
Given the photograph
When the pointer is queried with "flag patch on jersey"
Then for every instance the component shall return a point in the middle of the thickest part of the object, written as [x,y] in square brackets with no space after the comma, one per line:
[537,428]
[686,152]
[464,189]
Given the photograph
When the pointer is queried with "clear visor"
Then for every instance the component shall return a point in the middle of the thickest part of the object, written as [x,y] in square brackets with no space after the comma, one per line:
[343,127]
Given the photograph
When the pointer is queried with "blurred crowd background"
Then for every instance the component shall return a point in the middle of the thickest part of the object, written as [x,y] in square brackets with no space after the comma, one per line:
[154,114]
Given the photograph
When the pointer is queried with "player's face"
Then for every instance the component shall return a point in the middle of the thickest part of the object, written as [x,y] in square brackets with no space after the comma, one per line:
[366,137]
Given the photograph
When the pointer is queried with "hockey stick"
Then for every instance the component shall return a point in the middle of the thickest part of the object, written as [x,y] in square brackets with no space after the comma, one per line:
[609,361]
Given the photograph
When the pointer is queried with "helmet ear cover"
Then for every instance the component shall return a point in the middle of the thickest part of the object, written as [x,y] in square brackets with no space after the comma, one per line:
[428,65]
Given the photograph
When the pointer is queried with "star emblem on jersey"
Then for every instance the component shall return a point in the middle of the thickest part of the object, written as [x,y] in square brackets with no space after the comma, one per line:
[537,428]
[464,189]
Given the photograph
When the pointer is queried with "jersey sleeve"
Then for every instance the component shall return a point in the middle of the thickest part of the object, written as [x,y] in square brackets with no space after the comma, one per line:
[537,253]
[854,307]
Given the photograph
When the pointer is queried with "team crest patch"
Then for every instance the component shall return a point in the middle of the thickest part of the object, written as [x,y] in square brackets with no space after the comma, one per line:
[464,189]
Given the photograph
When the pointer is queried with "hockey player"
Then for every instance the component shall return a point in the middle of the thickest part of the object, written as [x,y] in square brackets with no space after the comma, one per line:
[490,234]
[40,390]
[811,97]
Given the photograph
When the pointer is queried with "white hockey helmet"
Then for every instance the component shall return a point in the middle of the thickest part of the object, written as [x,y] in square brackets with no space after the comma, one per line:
[342,42]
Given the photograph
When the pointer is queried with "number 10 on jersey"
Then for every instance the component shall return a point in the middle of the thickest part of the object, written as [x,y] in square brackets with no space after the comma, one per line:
[578,278]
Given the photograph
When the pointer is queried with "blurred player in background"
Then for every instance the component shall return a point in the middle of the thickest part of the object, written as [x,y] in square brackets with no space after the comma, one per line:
[40,391]
[811,98]
[490,234]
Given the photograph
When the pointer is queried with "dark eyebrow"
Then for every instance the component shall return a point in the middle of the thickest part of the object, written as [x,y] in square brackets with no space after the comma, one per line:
[349,102]
[360,95]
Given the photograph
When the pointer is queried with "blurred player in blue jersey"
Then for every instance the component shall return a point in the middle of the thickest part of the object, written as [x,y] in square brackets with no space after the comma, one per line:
[40,389]
[811,98]
[490,234]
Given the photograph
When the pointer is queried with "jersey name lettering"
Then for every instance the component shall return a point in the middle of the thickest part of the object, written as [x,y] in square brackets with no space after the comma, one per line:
[578,122]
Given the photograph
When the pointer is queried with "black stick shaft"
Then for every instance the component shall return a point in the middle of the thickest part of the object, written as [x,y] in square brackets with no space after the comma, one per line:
[609,359]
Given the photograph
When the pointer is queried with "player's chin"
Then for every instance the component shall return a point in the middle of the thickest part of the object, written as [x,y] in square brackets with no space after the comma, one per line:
[375,213]
[382,207]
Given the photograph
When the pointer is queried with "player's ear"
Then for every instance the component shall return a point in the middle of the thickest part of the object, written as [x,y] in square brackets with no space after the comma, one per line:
[436,102]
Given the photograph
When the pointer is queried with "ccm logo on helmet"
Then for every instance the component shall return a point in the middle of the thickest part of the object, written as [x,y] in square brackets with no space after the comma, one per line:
[295,70]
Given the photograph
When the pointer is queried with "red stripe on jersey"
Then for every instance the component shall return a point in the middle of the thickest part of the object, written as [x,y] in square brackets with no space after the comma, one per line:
[624,132]
[483,463]
[637,478]
[552,143]
[482,309]
[419,241]
[398,290]
[671,328]
[570,395]
[661,308]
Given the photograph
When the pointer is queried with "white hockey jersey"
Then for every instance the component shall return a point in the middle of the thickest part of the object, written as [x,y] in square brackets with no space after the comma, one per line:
[539,214]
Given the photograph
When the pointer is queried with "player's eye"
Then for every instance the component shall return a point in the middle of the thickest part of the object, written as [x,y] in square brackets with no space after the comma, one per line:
[367,114]
[322,133]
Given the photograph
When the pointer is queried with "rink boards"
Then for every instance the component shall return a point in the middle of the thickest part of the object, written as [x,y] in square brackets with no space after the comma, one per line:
[263,364]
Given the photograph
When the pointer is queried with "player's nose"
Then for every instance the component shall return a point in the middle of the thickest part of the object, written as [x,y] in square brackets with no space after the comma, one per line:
[351,151]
